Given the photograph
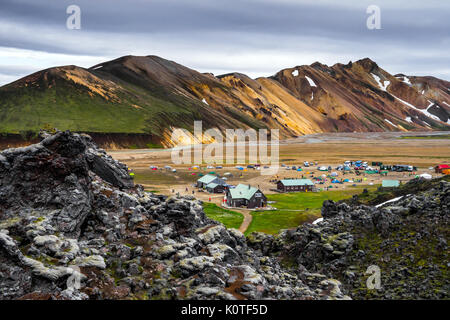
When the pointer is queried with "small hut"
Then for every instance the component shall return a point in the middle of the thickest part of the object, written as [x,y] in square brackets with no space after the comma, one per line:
[295,185]
[214,188]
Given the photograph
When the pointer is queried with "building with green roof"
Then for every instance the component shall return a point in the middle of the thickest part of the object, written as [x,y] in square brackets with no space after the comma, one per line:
[295,185]
[214,188]
[245,195]
[390,183]
[207,179]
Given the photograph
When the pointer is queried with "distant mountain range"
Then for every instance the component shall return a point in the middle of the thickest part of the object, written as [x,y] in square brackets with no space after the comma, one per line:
[148,96]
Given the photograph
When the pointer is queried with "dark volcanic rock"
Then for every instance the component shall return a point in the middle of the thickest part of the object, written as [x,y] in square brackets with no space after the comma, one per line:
[52,179]
[73,226]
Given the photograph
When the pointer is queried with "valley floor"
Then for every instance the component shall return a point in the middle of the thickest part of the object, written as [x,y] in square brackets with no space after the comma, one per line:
[325,149]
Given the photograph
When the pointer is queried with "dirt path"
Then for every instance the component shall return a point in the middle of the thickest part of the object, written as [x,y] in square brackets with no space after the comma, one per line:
[247,220]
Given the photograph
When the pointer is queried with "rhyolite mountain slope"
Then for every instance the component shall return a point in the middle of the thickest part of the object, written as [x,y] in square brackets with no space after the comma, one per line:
[150,96]
[361,96]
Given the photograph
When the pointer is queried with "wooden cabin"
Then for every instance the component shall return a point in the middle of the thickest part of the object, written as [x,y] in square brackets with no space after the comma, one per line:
[295,185]
[207,179]
[245,196]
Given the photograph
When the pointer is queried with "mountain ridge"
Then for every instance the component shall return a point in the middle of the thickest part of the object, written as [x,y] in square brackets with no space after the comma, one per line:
[151,95]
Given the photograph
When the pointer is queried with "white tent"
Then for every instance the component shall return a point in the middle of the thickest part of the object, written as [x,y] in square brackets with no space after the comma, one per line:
[426,176]
[334,174]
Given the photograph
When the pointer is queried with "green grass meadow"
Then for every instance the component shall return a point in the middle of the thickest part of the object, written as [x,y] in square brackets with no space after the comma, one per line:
[294,209]
[230,219]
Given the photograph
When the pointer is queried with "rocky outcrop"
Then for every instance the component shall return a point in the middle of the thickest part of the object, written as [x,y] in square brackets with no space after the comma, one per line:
[73,226]
[52,180]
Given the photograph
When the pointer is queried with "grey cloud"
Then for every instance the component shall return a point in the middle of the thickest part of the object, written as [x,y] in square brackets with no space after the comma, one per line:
[205,27]
[13,70]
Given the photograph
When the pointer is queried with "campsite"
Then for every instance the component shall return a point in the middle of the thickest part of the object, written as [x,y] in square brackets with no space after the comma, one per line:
[338,169]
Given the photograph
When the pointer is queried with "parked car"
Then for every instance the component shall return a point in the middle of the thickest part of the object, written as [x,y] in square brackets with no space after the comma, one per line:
[402,168]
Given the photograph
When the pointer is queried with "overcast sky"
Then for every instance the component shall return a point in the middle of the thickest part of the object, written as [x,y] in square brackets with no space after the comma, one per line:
[256,37]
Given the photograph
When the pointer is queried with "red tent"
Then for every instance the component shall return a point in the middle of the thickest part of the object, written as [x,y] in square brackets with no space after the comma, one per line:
[441,167]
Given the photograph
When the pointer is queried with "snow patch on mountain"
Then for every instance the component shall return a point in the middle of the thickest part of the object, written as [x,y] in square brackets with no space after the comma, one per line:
[432,116]
[381,83]
[390,123]
[425,112]
[406,80]
[311,82]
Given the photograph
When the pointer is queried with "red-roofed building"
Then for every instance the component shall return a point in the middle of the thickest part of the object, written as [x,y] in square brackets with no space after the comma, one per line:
[441,167]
